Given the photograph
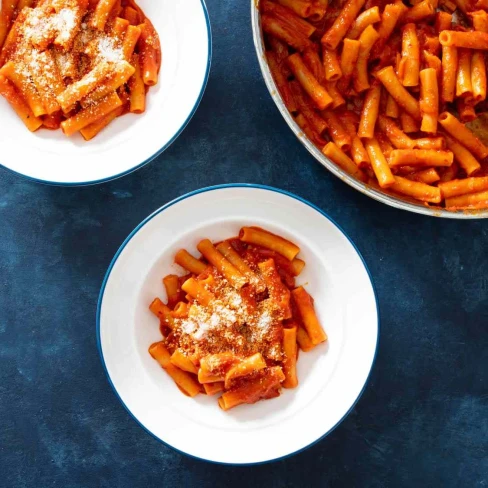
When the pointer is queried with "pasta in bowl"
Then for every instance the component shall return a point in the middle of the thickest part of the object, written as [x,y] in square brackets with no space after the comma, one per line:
[235,322]
[120,78]
[75,66]
[386,96]
[308,395]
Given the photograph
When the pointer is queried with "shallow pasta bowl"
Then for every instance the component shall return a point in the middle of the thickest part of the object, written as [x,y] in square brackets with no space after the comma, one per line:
[389,199]
[331,377]
[133,140]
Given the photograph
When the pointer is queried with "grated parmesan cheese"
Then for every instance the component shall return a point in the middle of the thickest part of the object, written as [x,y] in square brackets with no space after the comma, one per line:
[233,322]
[57,44]
[110,50]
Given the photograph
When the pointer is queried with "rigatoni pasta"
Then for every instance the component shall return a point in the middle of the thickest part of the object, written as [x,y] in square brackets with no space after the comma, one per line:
[236,336]
[410,63]
[429,100]
[403,83]
[77,64]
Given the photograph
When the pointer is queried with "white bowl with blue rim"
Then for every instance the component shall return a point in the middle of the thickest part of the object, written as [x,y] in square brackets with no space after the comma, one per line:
[131,141]
[331,377]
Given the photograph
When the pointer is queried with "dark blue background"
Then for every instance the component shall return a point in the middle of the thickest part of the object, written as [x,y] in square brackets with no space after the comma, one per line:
[422,421]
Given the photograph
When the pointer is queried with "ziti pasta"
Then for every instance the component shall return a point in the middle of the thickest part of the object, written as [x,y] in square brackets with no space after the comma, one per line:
[76,64]
[386,90]
[234,323]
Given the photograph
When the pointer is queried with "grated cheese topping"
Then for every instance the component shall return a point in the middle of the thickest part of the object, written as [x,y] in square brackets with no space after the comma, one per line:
[235,322]
[59,30]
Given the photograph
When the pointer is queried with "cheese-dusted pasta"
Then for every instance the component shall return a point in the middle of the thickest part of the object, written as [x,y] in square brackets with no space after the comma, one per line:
[77,64]
[235,322]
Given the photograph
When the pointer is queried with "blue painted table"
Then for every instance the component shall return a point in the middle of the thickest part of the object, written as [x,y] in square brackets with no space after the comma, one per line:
[423,420]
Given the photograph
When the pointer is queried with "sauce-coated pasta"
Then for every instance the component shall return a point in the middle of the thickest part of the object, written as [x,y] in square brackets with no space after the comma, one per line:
[234,323]
[76,64]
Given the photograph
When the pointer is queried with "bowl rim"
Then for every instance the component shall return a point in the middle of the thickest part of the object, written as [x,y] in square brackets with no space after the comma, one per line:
[159,151]
[189,195]
[324,160]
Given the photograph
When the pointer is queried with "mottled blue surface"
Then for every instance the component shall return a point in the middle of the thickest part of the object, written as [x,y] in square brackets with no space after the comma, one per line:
[423,420]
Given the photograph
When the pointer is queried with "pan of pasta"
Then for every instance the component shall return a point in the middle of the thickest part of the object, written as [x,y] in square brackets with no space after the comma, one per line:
[389,96]
[238,316]
[92,89]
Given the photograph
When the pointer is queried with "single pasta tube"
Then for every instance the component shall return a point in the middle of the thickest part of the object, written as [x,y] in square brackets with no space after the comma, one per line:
[304,340]
[463,156]
[464,87]
[332,65]
[290,352]
[449,70]
[472,200]
[455,188]
[137,88]
[417,190]
[378,163]
[423,157]
[102,11]
[317,93]
[172,286]
[478,76]
[305,306]
[462,134]
[349,57]
[150,53]
[190,263]
[429,100]
[358,152]
[180,360]
[130,41]
[410,62]
[260,237]
[341,25]
[369,113]
[162,311]
[334,153]
[469,40]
